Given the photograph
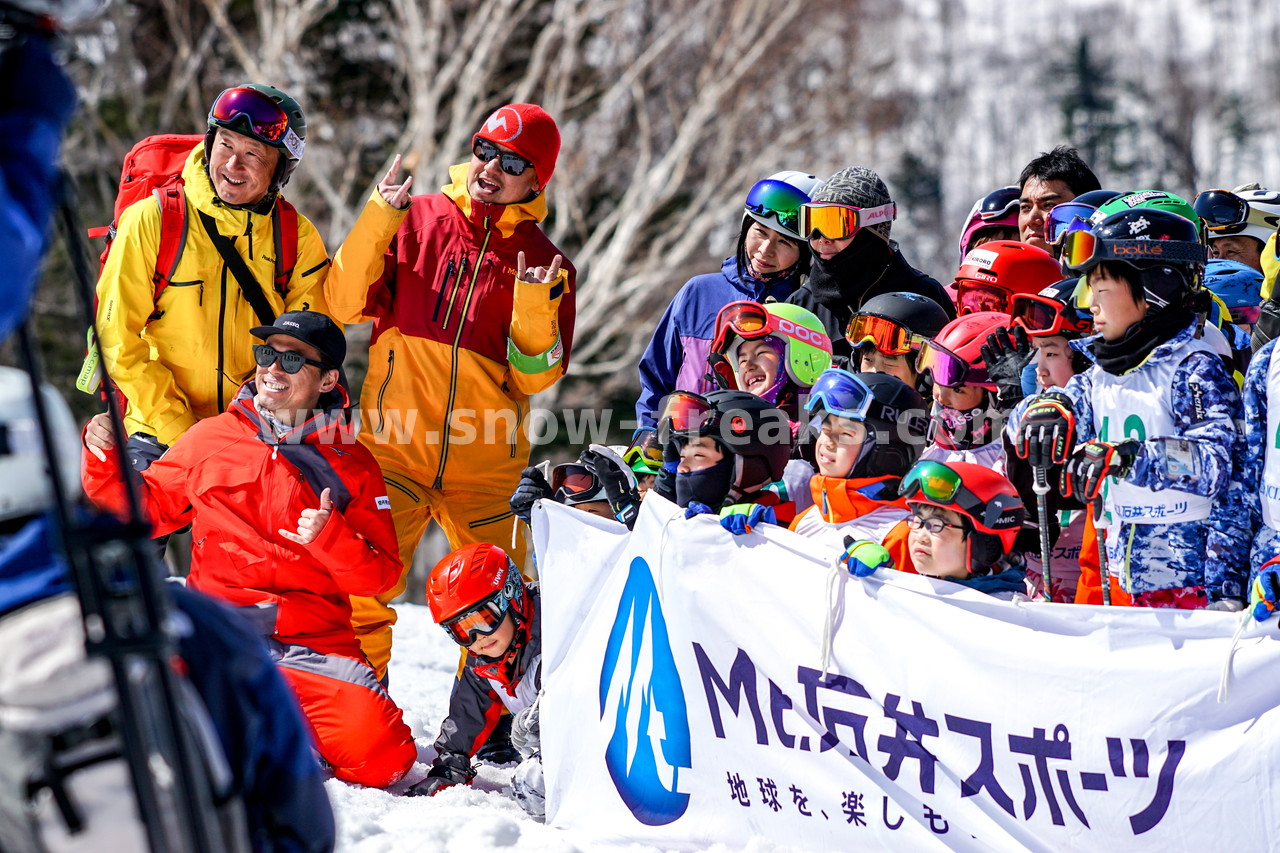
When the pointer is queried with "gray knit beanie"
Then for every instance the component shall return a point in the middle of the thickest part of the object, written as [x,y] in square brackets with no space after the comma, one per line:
[857,186]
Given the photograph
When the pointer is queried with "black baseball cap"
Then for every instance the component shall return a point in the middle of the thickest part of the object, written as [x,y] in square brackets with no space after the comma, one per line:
[310,327]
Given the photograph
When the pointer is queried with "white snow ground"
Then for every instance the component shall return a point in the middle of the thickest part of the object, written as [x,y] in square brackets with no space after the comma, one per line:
[476,819]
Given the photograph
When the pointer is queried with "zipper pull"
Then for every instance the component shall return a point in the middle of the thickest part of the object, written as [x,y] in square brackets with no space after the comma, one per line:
[275,449]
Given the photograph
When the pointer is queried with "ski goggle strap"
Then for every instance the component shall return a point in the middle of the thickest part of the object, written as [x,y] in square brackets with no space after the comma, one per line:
[743,318]
[889,337]
[250,112]
[841,393]
[483,619]
[777,199]
[838,221]
[940,484]
[685,413]
[1071,216]
[945,367]
[998,204]
[1042,316]
[974,296]
[1221,210]
[1081,251]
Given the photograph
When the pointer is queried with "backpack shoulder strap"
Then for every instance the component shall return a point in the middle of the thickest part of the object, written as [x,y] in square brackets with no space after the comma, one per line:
[284,222]
[173,235]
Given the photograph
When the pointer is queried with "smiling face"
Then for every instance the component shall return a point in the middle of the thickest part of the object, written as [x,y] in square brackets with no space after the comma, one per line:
[1113,307]
[769,251]
[757,365]
[1237,247]
[496,644]
[241,168]
[486,182]
[838,445]
[292,397]
[939,555]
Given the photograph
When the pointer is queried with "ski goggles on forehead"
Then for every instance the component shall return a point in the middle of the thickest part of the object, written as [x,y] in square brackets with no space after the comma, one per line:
[290,362]
[999,203]
[644,449]
[744,319]
[889,337]
[1221,210]
[1064,218]
[974,296]
[946,367]
[480,621]
[684,413]
[777,199]
[512,164]
[840,392]
[1081,251]
[940,484]
[839,221]
[1042,317]
[253,111]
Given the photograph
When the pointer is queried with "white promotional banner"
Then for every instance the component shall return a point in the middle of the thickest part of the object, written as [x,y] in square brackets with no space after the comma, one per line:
[688,702]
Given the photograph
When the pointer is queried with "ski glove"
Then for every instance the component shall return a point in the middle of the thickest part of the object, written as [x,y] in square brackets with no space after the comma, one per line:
[1092,462]
[1047,430]
[526,730]
[533,487]
[623,497]
[865,557]
[695,508]
[1006,354]
[1265,595]
[742,518]
[450,768]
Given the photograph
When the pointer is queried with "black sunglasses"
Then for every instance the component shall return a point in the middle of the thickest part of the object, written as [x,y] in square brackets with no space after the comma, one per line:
[512,164]
[290,362]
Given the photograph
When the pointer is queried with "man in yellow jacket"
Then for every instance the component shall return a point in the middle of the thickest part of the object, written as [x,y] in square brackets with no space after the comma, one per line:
[473,312]
[181,357]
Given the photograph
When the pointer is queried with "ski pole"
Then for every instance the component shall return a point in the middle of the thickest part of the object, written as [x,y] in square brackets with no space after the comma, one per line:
[1041,488]
[1104,574]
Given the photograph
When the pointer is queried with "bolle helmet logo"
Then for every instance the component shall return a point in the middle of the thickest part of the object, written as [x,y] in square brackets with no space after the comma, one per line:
[640,691]
[503,126]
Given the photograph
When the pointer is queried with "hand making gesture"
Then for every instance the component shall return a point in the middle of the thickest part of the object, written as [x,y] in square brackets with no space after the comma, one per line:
[396,195]
[311,522]
[543,275]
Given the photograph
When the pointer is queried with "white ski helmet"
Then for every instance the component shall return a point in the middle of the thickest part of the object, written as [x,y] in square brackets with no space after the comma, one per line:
[1264,214]
[776,206]
[25,487]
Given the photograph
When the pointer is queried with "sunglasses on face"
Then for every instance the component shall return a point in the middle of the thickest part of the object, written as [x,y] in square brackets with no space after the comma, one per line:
[483,620]
[685,414]
[946,368]
[570,481]
[290,362]
[512,164]
[1042,317]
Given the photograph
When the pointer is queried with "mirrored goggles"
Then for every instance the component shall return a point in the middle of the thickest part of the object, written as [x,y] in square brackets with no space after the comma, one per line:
[1042,316]
[974,296]
[840,221]
[644,450]
[685,413]
[1222,211]
[290,362]
[482,620]
[946,367]
[840,392]
[573,483]
[248,110]
[940,484]
[743,318]
[512,164]
[1246,316]
[777,199]
[1070,216]
[889,337]
[1082,250]
[998,204]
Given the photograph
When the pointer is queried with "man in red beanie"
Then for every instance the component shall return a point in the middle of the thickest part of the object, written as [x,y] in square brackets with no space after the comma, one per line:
[472,310]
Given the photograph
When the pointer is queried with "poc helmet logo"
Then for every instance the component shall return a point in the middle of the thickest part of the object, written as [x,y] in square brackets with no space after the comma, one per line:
[640,689]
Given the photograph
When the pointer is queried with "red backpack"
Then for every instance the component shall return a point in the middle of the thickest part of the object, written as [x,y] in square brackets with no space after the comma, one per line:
[153,167]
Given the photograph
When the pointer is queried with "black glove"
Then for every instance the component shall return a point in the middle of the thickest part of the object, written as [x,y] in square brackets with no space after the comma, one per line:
[1006,354]
[1092,462]
[1268,325]
[533,487]
[449,769]
[665,483]
[1047,430]
[624,498]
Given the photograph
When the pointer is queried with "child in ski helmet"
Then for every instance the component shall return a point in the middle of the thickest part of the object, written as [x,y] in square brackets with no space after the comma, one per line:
[599,482]
[774,351]
[769,262]
[871,427]
[477,596]
[1154,419]
[966,416]
[887,333]
[1052,319]
[644,457]
[964,524]
[992,273]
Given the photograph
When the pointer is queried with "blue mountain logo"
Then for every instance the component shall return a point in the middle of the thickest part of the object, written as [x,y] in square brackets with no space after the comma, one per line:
[640,688]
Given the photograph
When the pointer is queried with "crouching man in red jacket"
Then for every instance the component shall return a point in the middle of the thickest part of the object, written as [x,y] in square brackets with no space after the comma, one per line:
[289,518]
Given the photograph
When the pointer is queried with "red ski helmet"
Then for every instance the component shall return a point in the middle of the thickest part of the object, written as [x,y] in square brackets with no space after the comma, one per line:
[479,579]
[954,357]
[993,272]
[987,499]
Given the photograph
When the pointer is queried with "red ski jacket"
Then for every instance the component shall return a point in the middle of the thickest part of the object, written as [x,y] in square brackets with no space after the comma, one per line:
[237,484]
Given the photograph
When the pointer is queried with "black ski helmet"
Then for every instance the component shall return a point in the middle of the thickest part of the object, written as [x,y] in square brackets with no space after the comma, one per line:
[1163,248]
[756,432]
[291,146]
[913,311]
